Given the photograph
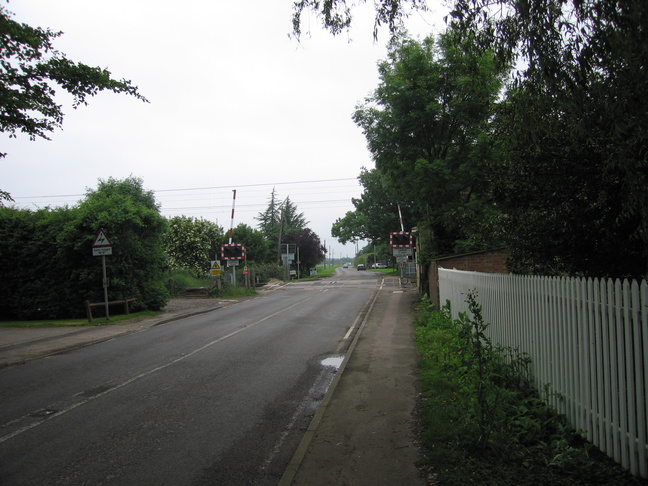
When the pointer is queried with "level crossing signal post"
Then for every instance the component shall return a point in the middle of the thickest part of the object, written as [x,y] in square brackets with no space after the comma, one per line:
[232,254]
[401,244]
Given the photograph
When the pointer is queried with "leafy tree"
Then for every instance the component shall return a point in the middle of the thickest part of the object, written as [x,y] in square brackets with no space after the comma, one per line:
[375,214]
[4,196]
[280,219]
[572,134]
[337,15]
[257,248]
[292,220]
[131,219]
[427,129]
[563,202]
[311,249]
[270,219]
[350,228]
[30,67]
[192,243]
[48,268]
[574,131]
[37,279]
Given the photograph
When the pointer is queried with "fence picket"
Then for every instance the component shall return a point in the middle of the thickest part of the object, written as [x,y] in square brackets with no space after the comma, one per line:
[631,399]
[577,368]
[605,422]
[600,369]
[566,388]
[623,378]
[593,371]
[557,366]
[587,358]
[616,406]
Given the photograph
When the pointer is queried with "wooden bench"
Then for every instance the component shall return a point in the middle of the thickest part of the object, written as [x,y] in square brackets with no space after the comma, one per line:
[90,305]
[196,293]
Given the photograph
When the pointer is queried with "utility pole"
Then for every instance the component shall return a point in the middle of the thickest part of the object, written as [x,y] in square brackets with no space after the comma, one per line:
[281,221]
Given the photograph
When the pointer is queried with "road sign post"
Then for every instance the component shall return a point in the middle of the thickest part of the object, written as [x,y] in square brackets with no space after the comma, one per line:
[288,251]
[215,271]
[102,247]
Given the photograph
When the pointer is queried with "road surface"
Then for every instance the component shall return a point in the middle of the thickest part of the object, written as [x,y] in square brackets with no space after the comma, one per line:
[221,398]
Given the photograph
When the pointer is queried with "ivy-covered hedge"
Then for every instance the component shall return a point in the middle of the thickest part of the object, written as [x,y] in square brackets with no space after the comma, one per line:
[47,269]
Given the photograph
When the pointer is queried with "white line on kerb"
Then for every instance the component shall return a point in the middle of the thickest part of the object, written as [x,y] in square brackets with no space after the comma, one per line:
[346,336]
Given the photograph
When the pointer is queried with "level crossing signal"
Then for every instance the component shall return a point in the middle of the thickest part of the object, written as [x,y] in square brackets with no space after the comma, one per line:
[233,252]
[400,239]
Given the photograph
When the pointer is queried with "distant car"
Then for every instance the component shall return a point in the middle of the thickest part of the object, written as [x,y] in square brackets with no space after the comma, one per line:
[381,265]
[360,267]
[346,265]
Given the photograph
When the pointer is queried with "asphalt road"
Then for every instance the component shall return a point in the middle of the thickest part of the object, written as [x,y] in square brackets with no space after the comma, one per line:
[221,398]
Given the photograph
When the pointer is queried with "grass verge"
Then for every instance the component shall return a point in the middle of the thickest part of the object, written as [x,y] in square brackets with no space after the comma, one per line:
[484,423]
[97,321]
[234,292]
[326,271]
[385,271]
[229,292]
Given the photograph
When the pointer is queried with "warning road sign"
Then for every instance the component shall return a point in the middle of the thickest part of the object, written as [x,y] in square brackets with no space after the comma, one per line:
[101,240]
[102,245]
[215,270]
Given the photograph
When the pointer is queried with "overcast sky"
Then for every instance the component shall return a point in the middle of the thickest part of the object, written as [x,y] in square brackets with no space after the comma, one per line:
[234,104]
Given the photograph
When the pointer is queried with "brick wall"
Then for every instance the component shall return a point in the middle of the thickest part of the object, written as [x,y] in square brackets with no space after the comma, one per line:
[490,261]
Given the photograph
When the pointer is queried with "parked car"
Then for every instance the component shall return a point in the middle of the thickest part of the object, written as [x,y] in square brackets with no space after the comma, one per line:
[360,267]
[381,265]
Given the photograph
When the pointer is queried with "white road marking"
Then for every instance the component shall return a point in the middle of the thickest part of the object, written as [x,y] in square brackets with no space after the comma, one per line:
[33,419]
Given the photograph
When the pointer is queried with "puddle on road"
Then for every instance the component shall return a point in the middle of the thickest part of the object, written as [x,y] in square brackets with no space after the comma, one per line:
[333,361]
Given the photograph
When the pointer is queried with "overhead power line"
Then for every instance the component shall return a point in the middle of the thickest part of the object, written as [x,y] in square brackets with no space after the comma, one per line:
[211,188]
[258,185]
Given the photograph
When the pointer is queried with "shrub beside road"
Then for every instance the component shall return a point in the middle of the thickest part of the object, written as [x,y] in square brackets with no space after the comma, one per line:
[484,422]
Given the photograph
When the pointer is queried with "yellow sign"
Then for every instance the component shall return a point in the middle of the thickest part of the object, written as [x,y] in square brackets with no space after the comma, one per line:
[215,270]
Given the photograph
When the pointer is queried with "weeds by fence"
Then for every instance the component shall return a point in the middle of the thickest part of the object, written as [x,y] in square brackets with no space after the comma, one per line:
[588,339]
[483,420]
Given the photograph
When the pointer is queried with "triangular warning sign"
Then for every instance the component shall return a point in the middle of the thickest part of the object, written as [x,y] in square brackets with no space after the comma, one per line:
[101,240]
[215,266]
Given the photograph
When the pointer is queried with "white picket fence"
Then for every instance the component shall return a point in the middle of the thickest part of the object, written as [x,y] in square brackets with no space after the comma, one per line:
[588,340]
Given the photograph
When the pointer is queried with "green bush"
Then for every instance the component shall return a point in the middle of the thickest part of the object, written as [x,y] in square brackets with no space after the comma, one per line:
[178,281]
[47,266]
[483,420]
[154,297]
